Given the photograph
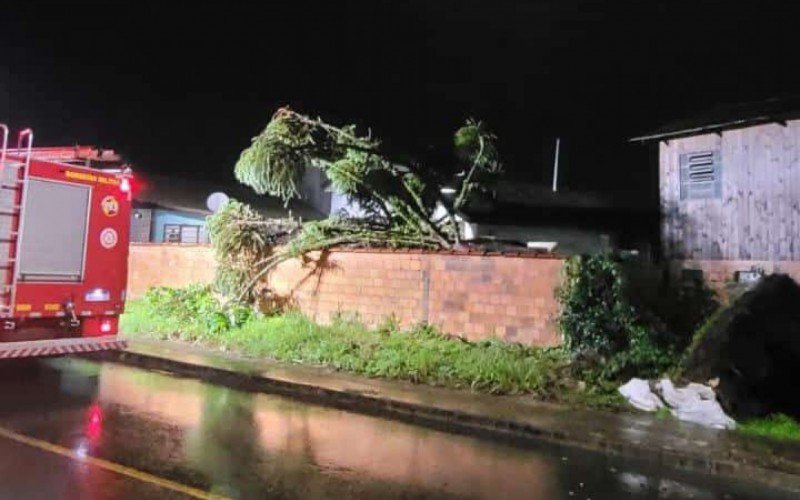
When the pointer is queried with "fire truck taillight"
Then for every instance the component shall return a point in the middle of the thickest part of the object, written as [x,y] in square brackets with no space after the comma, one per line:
[125,185]
[105,326]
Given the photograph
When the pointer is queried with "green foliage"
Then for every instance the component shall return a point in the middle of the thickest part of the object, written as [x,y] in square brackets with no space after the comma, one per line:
[601,326]
[679,308]
[644,357]
[188,313]
[475,146]
[242,239]
[398,201]
[238,243]
[421,354]
[688,307]
[595,314]
[779,426]
[700,334]
[275,161]
[236,229]
[663,413]
[594,392]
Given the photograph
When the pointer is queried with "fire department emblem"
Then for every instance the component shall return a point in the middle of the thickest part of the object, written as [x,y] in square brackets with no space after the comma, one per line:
[108,238]
[110,206]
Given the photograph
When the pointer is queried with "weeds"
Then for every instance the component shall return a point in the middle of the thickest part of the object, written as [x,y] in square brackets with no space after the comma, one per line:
[421,354]
[190,313]
[778,426]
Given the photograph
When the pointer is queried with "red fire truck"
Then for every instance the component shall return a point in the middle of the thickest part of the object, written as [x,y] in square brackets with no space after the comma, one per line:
[64,222]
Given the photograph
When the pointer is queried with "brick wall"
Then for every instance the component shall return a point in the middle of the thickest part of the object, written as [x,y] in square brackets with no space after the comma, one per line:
[169,265]
[721,274]
[474,296]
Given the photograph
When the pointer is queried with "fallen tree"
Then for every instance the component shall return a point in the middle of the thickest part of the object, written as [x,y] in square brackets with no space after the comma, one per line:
[753,348]
[401,205]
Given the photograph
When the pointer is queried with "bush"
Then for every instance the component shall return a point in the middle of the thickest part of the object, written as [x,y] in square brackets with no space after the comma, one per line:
[190,311]
[602,327]
[595,315]
[675,308]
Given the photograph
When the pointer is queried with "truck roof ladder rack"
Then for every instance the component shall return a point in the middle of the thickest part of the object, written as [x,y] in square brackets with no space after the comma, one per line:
[6,294]
[4,128]
[8,262]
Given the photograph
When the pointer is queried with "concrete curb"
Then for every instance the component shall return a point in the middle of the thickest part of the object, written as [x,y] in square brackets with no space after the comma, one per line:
[763,466]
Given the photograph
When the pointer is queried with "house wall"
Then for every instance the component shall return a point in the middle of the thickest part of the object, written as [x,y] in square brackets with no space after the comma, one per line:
[721,275]
[316,191]
[163,217]
[313,187]
[141,223]
[570,240]
[757,218]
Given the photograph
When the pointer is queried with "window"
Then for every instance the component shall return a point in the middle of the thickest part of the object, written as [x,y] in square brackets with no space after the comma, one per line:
[172,233]
[181,233]
[190,234]
[701,175]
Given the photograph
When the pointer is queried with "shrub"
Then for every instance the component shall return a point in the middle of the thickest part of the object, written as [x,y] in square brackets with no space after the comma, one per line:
[677,308]
[192,310]
[602,327]
[595,315]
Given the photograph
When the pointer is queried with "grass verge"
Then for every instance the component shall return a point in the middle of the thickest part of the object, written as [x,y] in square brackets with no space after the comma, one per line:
[779,426]
[421,354]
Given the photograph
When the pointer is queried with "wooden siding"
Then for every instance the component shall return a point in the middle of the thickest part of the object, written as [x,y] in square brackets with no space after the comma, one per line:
[758,215]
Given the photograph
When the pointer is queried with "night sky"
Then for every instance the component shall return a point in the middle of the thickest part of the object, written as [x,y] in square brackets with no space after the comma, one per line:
[183,89]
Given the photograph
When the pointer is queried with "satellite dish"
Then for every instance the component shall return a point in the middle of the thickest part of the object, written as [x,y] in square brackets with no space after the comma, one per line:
[216,201]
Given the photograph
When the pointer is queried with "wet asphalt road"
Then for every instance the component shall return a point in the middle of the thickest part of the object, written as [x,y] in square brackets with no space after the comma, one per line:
[72,428]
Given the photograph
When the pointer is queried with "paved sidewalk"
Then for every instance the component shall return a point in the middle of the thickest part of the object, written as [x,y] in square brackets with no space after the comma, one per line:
[520,420]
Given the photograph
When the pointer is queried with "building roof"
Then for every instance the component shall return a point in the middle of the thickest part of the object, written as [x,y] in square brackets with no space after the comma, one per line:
[726,117]
[189,195]
[540,195]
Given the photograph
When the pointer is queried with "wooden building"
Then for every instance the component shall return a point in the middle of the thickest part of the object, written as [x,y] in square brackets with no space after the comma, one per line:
[729,185]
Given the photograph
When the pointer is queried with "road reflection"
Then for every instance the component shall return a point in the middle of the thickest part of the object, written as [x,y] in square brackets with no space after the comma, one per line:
[244,445]
[227,432]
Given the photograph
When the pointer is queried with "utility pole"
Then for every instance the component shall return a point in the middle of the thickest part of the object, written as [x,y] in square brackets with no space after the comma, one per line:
[555,165]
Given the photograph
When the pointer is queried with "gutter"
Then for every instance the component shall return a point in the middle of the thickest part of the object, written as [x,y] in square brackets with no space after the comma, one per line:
[716,127]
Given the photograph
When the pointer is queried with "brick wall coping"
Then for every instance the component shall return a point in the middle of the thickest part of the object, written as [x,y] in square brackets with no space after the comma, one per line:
[471,252]
[177,245]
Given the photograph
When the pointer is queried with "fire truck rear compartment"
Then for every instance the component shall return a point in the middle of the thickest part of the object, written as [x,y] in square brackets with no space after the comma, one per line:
[63,249]
[53,232]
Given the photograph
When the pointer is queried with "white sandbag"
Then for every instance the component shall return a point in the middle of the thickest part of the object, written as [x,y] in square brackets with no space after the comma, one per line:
[705,412]
[639,395]
[695,403]
[674,397]
[704,391]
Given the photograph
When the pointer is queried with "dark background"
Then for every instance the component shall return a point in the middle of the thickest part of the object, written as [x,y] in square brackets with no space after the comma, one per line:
[181,88]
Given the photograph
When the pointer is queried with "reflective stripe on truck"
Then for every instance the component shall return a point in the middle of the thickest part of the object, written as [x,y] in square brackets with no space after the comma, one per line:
[57,347]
